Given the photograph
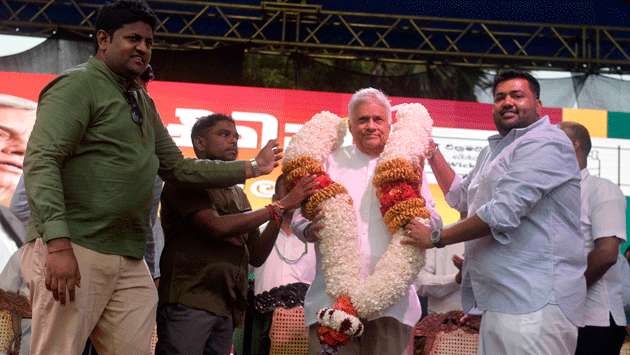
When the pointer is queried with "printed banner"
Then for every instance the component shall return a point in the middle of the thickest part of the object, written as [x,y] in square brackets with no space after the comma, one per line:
[461,128]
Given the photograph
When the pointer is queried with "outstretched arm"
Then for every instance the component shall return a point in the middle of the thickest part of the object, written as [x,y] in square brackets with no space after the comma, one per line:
[443,172]
[224,226]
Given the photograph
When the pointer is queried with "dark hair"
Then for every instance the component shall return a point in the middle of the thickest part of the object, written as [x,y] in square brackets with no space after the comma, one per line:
[205,122]
[506,75]
[579,133]
[115,15]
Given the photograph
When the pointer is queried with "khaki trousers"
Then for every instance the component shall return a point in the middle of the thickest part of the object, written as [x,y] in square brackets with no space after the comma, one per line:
[115,305]
[382,336]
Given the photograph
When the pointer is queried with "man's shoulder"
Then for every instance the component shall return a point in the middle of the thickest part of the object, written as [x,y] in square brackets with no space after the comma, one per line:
[240,194]
[176,190]
[81,72]
[80,69]
[75,76]
[603,189]
[547,138]
[548,133]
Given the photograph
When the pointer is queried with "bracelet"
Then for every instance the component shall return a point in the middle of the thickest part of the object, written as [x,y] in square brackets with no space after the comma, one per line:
[275,213]
[50,251]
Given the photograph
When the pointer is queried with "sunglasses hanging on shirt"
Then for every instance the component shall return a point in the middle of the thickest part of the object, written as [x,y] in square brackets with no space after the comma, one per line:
[136,113]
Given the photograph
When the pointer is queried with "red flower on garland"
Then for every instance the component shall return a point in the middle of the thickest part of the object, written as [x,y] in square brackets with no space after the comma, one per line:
[345,304]
[331,336]
[323,180]
[392,194]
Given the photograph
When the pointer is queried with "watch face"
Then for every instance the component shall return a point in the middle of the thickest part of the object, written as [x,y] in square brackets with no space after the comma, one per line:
[435,236]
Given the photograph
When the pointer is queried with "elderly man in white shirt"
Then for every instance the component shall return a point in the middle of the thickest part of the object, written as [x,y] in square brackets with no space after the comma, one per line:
[353,166]
[603,223]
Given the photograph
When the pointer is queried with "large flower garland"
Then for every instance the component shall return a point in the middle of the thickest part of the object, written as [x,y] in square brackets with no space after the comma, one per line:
[397,183]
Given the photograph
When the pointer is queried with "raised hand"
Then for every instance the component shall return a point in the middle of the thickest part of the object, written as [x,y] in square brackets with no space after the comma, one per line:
[417,234]
[269,157]
[458,261]
[311,233]
[302,189]
[431,149]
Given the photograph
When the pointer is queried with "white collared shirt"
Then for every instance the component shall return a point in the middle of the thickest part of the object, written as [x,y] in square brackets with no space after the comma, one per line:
[603,215]
[526,187]
[354,170]
[436,280]
[291,260]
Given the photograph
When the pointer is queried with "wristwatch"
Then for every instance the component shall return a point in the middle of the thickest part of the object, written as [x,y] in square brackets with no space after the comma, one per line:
[436,238]
[255,168]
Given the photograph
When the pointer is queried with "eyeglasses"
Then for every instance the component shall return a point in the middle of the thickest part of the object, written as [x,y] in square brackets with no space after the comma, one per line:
[136,114]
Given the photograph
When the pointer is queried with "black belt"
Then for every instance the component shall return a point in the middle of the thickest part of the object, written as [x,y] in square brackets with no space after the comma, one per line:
[287,296]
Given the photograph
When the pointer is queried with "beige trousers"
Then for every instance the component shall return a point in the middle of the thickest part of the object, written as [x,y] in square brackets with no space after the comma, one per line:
[114,307]
[382,336]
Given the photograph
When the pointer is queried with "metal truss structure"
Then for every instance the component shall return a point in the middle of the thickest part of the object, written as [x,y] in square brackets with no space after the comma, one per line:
[282,27]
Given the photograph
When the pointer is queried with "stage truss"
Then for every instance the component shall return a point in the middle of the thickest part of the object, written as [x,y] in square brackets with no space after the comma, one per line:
[283,27]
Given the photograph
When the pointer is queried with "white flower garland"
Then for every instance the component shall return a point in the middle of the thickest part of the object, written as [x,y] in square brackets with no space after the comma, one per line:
[338,246]
[399,266]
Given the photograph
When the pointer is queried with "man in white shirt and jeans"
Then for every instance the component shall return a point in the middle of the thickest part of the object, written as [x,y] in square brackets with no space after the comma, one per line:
[603,223]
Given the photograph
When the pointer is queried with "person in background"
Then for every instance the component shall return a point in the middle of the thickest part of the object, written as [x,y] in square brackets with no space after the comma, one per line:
[17,116]
[441,277]
[284,277]
[603,222]
[625,275]
[155,242]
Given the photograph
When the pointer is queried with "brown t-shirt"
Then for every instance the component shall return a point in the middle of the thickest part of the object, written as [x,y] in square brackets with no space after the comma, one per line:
[197,269]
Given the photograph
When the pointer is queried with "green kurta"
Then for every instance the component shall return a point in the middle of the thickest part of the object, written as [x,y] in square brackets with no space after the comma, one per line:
[199,269]
[89,169]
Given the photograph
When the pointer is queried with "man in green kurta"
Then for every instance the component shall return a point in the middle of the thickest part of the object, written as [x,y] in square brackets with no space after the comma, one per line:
[96,147]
